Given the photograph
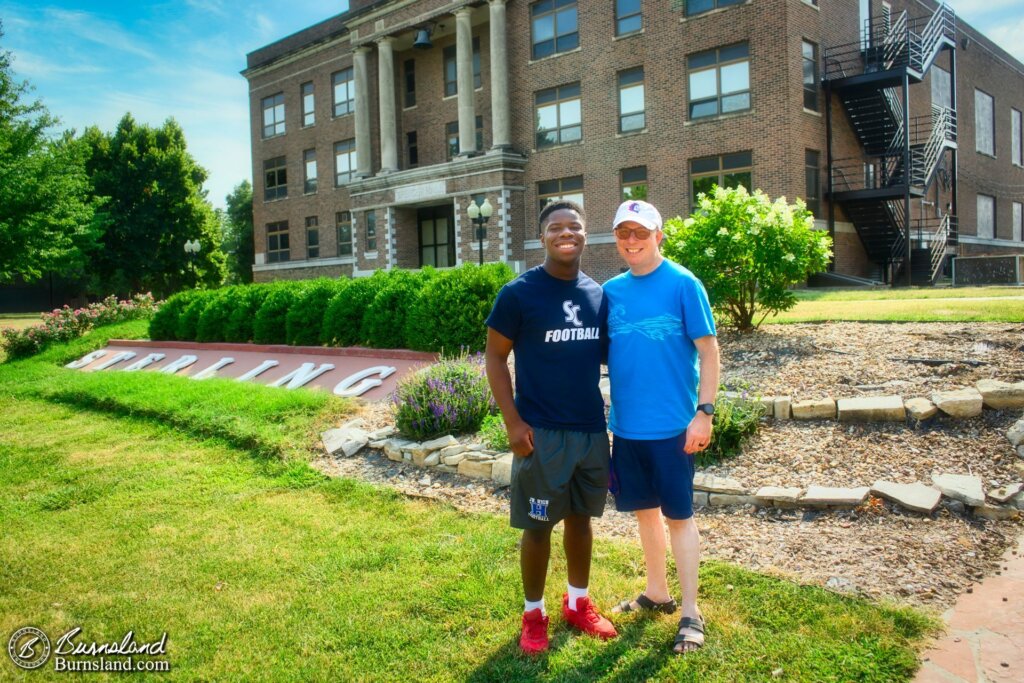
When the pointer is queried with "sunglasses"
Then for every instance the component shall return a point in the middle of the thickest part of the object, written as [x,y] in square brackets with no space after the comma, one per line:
[640,233]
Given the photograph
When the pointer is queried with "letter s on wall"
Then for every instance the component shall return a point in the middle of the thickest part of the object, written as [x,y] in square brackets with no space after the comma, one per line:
[345,388]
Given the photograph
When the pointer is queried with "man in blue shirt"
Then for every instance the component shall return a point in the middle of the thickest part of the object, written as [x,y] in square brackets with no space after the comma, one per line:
[663,363]
[554,318]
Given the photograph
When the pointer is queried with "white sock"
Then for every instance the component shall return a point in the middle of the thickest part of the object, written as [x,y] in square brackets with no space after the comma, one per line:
[530,605]
[574,594]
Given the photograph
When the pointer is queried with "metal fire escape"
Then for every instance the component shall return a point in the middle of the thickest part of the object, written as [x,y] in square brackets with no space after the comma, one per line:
[901,154]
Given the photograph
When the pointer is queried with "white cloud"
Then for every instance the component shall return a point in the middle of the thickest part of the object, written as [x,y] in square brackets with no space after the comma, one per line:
[1008,36]
[33,66]
[93,29]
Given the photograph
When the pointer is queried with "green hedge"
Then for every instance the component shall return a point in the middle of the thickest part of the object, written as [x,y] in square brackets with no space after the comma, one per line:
[426,310]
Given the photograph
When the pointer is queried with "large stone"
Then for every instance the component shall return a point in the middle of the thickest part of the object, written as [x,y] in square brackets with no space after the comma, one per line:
[1004,494]
[1000,395]
[393,448]
[452,450]
[700,499]
[476,469]
[501,471]
[871,409]
[383,433]
[965,488]
[1016,434]
[996,512]
[453,460]
[440,442]
[832,496]
[723,499]
[768,403]
[713,484]
[959,402]
[1018,501]
[780,496]
[921,408]
[820,409]
[432,460]
[346,440]
[916,496]
[782,408]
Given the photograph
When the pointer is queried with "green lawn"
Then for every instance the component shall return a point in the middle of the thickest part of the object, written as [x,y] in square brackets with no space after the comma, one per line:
[18,320]
[261,569]
[978,304]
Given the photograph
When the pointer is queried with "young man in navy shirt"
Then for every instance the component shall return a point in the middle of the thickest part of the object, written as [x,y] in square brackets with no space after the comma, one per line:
[663,364]
[553,317]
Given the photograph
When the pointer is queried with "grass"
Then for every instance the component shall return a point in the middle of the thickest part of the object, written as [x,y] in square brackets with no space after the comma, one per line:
[119,518]
[969,304]
[18,320]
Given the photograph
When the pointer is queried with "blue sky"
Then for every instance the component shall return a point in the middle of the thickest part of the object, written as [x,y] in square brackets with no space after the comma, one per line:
[92,61]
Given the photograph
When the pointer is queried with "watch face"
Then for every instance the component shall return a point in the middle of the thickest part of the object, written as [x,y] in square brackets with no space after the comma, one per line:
[708,408]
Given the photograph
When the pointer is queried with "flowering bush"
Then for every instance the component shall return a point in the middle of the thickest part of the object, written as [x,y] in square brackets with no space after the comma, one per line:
[737,417]
[450,397]
[65,324]
[748,251]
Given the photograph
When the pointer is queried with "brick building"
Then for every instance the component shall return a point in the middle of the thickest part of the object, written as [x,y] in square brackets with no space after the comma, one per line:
[374,130]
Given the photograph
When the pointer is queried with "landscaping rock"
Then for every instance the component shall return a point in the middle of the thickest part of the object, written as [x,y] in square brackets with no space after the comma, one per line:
[379,445]
[779,496]
[476,469]
[448,468]
[354,423]
[712,484]
[1016,434]
[501,471]
[916,496]
[452,450]
[921,408]
[830,496]
[476,447]
[782,407]
[723,499]
[871,409]
[383,433]
[821,409]
[478,456]
[962,487]
[959,403]
[768,402]
[996,512]
[432,460]
[440,442]
[605,386]
[1000,395]
[393,448]
[346,440]
[700,499]
[453,460]
[1018,501]
[1006,493]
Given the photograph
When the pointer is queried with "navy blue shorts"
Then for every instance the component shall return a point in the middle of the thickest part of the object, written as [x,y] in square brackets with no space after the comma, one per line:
[649,474]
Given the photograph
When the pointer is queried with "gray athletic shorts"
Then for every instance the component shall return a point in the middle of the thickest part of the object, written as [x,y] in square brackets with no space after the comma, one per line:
[567,473]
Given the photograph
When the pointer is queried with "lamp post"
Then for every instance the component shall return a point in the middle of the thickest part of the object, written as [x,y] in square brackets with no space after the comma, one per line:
[191,249]
[480,214]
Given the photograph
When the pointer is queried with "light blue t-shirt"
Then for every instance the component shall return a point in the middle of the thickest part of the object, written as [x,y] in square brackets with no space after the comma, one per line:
[652,360]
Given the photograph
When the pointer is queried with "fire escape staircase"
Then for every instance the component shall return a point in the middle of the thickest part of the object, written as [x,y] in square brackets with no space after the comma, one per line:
[900,155]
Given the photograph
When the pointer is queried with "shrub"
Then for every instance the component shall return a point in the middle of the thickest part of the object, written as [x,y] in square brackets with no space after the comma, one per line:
[305,319]
[450,310]
[343,321]
[737,418]
[450,397]
[213,321]
[164,324]
[748,250]
[246,303]
[494,434]
[188,321]
[271,323]
[384,321]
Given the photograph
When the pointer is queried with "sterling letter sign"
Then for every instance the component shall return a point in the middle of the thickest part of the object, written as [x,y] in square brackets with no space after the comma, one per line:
[367,373]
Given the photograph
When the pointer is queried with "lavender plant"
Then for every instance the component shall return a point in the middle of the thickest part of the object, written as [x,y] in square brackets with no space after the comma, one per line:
[449,397]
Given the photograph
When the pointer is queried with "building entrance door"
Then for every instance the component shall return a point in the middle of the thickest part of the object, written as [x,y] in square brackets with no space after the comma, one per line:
[436,228]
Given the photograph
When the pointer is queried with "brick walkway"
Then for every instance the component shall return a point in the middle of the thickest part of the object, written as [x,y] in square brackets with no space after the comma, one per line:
[984,639]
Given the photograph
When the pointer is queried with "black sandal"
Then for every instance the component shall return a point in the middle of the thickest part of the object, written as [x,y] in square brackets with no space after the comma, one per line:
[648,605]
[682,638]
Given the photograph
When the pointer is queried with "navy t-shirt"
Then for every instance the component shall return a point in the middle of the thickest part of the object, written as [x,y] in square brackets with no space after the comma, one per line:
[557,328]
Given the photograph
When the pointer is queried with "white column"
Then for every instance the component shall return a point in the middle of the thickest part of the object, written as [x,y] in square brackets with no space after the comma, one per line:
[464,72]
[388,126]
[364,155]
[500,116]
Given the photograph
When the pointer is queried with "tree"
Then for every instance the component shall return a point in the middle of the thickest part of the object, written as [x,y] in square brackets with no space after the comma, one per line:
[238,239]
[156,204]
[46,214]
[748,251]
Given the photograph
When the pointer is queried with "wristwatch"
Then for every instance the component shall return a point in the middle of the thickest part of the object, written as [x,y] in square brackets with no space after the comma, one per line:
[707,408]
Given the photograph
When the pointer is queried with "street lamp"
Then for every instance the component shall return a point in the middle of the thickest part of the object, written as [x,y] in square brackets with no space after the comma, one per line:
[480,214]
[191,249]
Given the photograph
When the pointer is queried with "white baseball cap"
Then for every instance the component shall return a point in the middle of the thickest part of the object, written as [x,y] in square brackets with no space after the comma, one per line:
[639,212]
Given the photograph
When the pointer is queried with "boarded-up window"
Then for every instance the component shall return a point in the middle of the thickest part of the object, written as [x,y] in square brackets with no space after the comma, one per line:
[984,123]
[941,96]
[986,216]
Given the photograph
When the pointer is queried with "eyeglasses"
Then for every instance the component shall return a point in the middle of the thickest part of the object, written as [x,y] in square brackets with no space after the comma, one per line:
[640,233]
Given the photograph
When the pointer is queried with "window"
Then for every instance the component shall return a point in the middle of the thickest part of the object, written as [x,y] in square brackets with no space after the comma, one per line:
[701,6]
[559,116]
[410,83]
[719,81]
[437,238]
[312,237]
[273,115]
[1018,222]
[1016,141]
[810,62]
[371,231]
[451,133]
[941,94]
[986,216]
[275,179]
[728,170]
[308,105]
[634,183]
[343,219]
[412,150]
[563,188]
[812,172]
[451,71]
[627,17]
[344,92]
[277,242]
[554,27]
[309,171]
[631,100]
[984,123]
[344,161]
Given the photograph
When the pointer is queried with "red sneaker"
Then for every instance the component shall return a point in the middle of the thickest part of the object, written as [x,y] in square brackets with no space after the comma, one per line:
[534,638]
[586,618]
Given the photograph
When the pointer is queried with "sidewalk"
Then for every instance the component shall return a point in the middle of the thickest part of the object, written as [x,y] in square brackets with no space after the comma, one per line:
[984,639]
